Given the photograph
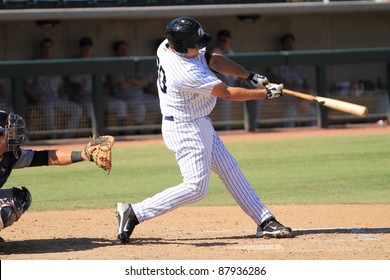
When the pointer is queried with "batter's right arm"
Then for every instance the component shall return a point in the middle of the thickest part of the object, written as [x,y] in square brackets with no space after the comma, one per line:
[243,94]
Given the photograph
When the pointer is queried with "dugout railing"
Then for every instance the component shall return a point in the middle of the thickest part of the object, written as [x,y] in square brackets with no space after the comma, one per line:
[271,112]
[52,4]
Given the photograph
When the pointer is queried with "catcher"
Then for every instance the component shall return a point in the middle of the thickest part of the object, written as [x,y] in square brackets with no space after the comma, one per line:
[16,200]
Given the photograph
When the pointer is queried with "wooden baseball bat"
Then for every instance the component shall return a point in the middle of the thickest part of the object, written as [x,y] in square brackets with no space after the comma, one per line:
[336,104]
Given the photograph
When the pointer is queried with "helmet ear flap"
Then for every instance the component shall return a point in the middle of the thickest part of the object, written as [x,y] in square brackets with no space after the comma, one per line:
[174,43]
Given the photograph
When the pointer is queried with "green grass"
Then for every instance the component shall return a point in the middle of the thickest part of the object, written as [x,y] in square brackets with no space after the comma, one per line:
[320,170]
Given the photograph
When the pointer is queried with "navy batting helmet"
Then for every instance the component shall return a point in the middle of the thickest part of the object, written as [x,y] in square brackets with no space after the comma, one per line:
[185,32]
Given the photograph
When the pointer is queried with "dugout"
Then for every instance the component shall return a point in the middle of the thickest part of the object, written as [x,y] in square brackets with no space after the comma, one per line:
[334,29]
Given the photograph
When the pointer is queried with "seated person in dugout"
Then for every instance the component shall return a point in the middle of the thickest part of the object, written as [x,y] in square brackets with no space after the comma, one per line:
[4,102]
[82,88]
[300,112]
[47,94]
[130,88]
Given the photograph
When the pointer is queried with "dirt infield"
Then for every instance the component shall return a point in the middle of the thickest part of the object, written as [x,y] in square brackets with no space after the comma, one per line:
[358,232]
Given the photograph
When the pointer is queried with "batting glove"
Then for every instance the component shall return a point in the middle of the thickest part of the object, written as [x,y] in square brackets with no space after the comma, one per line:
[274,91]
[257,80]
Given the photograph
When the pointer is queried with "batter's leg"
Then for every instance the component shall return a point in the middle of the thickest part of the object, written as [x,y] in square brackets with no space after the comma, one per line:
[227,169]
[192,144]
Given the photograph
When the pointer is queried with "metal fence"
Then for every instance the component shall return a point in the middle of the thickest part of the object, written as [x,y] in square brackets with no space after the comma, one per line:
[75,114]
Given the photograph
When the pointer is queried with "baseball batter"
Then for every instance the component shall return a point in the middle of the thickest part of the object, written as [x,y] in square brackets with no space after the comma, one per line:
[188,89]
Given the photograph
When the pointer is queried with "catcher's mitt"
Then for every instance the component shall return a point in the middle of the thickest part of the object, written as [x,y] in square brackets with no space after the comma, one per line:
[98,150]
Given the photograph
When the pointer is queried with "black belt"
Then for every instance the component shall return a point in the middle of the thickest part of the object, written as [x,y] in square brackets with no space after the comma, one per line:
[169,118]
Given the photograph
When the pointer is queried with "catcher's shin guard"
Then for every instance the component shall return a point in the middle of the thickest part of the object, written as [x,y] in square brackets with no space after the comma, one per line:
[13,203]
[8,215]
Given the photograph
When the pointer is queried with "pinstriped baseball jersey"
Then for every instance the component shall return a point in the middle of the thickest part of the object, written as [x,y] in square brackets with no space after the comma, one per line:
[185,87]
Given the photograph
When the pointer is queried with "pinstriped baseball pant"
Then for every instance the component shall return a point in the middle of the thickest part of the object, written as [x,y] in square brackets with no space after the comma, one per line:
[199,150]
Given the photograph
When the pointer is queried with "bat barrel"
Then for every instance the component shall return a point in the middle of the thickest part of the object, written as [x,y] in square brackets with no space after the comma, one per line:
[336,104]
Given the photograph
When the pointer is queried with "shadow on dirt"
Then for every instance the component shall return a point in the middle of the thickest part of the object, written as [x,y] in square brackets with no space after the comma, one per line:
[341,230]
[197,242]
[200,243]
[60,245]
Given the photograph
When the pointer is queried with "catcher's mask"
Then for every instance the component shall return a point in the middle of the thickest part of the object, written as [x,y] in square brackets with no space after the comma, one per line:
[12,126]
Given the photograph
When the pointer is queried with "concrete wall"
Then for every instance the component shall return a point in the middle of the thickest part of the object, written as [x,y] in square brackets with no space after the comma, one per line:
[20,39]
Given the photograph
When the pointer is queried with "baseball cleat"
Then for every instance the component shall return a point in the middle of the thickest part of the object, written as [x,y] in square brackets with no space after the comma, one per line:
[271,228]
[126,221]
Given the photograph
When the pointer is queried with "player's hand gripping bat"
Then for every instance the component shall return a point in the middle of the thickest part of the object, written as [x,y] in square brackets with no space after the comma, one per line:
[336,104]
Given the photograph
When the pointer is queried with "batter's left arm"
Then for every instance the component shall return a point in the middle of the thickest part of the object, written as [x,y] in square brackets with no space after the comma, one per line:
[221,64]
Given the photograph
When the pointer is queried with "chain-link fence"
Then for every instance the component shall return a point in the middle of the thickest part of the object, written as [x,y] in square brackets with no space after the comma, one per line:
[55,104]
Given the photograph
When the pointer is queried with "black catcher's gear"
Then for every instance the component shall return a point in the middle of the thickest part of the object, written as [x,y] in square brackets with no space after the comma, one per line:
[185,32]
[13,127]
[13,203]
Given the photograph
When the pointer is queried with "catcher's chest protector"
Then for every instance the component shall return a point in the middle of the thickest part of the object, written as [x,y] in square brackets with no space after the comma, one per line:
[6,164]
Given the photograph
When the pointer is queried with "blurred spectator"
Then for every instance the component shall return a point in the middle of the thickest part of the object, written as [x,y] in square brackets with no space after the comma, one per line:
[4,103]
[301,112]
[81,86]
[151,76]
[291,76]
[82,83]
[47,94]
[382,106]
[130,88]
[224,40]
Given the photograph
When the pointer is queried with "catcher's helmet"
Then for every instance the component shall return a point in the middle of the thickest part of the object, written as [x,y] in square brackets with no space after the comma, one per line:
[185,32]
[12,126]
